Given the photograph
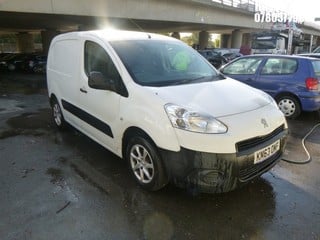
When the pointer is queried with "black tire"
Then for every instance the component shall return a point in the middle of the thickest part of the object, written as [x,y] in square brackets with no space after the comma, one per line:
[290,106]
[11,67]
[57,115]
[35,69]
[145,163]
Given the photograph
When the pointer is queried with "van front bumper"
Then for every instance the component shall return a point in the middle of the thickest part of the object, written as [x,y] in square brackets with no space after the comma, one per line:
[218,172]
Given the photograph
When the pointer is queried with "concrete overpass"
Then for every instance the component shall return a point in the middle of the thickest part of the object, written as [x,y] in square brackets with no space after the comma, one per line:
[229,17]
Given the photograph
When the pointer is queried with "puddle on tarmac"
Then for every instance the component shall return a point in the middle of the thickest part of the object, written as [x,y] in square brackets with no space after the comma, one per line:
[10,133]
[36,120]
[21,106]
[27,88]
[205,216]
[56,175]
[89,180]
[36,124]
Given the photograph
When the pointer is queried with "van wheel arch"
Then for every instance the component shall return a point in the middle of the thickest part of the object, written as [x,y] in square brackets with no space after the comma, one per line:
[134,138]
[132,132]
[57,114]
[52,99]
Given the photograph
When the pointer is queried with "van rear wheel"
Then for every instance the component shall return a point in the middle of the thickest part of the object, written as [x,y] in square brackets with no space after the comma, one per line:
[57,114]
[145,164]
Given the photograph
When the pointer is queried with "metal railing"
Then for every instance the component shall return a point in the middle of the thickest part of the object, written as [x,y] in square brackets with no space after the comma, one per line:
[249,5]
[252,6]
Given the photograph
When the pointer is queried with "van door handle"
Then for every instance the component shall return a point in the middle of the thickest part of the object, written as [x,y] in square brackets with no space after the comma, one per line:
[83,90]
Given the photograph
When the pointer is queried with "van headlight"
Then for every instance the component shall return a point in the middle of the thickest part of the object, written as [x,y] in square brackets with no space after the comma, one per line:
[193,121]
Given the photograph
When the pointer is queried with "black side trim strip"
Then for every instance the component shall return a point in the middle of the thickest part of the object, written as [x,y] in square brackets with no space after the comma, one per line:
[88,118]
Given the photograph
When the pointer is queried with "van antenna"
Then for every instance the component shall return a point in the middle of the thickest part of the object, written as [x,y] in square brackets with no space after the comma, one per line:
[139,27]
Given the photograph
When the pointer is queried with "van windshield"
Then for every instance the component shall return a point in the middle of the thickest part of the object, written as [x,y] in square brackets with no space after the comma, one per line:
[163,63]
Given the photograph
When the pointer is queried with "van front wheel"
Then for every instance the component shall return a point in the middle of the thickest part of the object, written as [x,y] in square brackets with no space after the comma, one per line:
[57,114]
[145,164]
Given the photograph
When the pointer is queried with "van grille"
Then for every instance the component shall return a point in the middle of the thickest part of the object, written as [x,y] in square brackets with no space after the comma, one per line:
[253,142]
[249,170]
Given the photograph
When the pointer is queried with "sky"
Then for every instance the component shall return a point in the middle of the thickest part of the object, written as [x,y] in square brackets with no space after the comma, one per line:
[307,9]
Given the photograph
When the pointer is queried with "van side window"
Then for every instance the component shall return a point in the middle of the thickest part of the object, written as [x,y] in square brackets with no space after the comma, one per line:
[97,59]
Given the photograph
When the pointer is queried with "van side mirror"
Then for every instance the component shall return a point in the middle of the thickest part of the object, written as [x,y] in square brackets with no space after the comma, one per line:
[96,80]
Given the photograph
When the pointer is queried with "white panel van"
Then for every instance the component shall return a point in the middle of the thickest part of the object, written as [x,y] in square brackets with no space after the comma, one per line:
[160,105]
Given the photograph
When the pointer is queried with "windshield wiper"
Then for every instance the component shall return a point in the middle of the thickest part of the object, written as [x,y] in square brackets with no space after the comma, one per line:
[185,81]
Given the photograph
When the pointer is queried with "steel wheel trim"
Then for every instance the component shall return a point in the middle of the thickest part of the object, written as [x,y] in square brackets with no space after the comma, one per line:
[141,163]
[287,106]
[57,114]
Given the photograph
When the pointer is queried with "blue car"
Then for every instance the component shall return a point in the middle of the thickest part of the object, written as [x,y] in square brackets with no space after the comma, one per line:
[293,81]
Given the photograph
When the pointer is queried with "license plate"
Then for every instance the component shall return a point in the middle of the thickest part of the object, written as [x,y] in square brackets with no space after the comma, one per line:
[263,154]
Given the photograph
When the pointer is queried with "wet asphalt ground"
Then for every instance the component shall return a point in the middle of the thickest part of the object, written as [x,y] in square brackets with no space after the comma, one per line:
[62,185]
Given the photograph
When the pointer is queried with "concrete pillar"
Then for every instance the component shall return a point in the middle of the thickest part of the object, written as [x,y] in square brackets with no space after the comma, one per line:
[246,39]
[316,41]
[311,43]
[175,35]
[46,37]
[203,39]
[25,42]
[225,41]
[236,38]
[245,47]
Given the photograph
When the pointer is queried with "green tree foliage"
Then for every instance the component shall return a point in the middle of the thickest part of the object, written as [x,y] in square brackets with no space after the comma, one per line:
[8,38]
[194,39]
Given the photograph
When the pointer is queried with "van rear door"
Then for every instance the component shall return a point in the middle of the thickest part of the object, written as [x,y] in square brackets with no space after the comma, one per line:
[63,72]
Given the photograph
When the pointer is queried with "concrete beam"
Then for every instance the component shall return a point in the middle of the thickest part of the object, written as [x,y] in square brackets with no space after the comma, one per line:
[203,15]
[189,11]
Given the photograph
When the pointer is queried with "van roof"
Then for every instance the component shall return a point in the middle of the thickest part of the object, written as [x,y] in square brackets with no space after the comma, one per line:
[115,35]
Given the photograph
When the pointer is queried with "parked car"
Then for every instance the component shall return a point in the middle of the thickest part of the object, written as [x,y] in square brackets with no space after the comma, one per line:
[2,55]
[157,103]
[216,59]
[316,50]
[293,81]
[231,56]
[223,51]
[315,53]
[13,62]
[35,63]
[4,61]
